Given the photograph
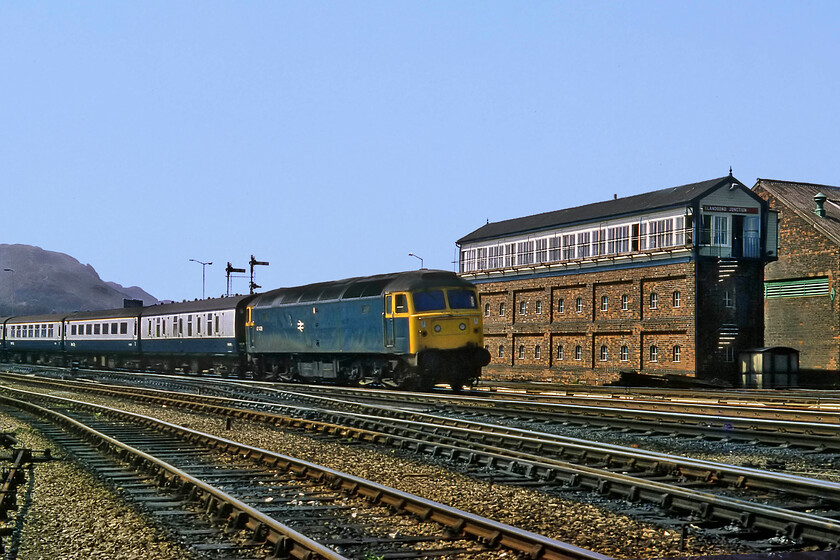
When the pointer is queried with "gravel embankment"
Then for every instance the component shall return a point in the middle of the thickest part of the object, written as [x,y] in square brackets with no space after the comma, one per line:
[583,525]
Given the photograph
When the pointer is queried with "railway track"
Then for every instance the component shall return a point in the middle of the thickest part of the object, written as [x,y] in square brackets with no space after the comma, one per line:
[816,430]
[788,398]
[703,492]
[245,490]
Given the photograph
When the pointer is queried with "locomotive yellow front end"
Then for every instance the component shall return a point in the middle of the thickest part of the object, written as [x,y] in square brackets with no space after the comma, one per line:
[447,335]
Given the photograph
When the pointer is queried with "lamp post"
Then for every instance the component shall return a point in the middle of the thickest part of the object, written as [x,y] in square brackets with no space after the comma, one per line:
[417,257]
[203,264]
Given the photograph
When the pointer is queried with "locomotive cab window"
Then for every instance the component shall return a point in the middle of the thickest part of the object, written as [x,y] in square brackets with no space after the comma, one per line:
[400,303]
[430,300]
[463,299]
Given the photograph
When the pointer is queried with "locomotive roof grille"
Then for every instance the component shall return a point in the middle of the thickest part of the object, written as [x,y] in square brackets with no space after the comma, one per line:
[364,289]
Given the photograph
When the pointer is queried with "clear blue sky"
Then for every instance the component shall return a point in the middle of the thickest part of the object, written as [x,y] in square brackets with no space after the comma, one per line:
[333,138]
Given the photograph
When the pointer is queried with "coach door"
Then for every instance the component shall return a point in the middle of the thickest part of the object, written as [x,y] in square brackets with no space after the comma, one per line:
[388,321]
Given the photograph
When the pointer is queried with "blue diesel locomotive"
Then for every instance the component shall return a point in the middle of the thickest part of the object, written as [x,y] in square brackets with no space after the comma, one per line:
[409,330]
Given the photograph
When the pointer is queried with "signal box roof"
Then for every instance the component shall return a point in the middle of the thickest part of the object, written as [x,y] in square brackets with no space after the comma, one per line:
[646,202]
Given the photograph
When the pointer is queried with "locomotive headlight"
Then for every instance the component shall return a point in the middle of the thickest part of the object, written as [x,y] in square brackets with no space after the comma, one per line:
[437,328]
[462,326]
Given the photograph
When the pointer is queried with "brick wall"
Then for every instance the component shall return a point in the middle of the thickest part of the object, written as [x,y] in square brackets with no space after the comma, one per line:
[570,318]
[808,324]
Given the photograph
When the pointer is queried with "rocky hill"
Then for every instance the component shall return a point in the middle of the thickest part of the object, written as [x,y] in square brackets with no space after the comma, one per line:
[35,281]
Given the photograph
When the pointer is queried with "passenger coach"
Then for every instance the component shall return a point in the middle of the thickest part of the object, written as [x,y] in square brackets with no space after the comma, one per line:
[37,338]
[103,338]
[194,336]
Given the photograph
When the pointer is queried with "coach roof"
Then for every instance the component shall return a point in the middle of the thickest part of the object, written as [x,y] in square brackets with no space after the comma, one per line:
[655,200]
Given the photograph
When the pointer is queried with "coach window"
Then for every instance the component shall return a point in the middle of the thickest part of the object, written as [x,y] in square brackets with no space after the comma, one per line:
[209,324]
[37,331]
[217,324]
[88,328]
[157,327]
[73,330]
[189,325]
[124,328]
[114,328]
[96,328]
